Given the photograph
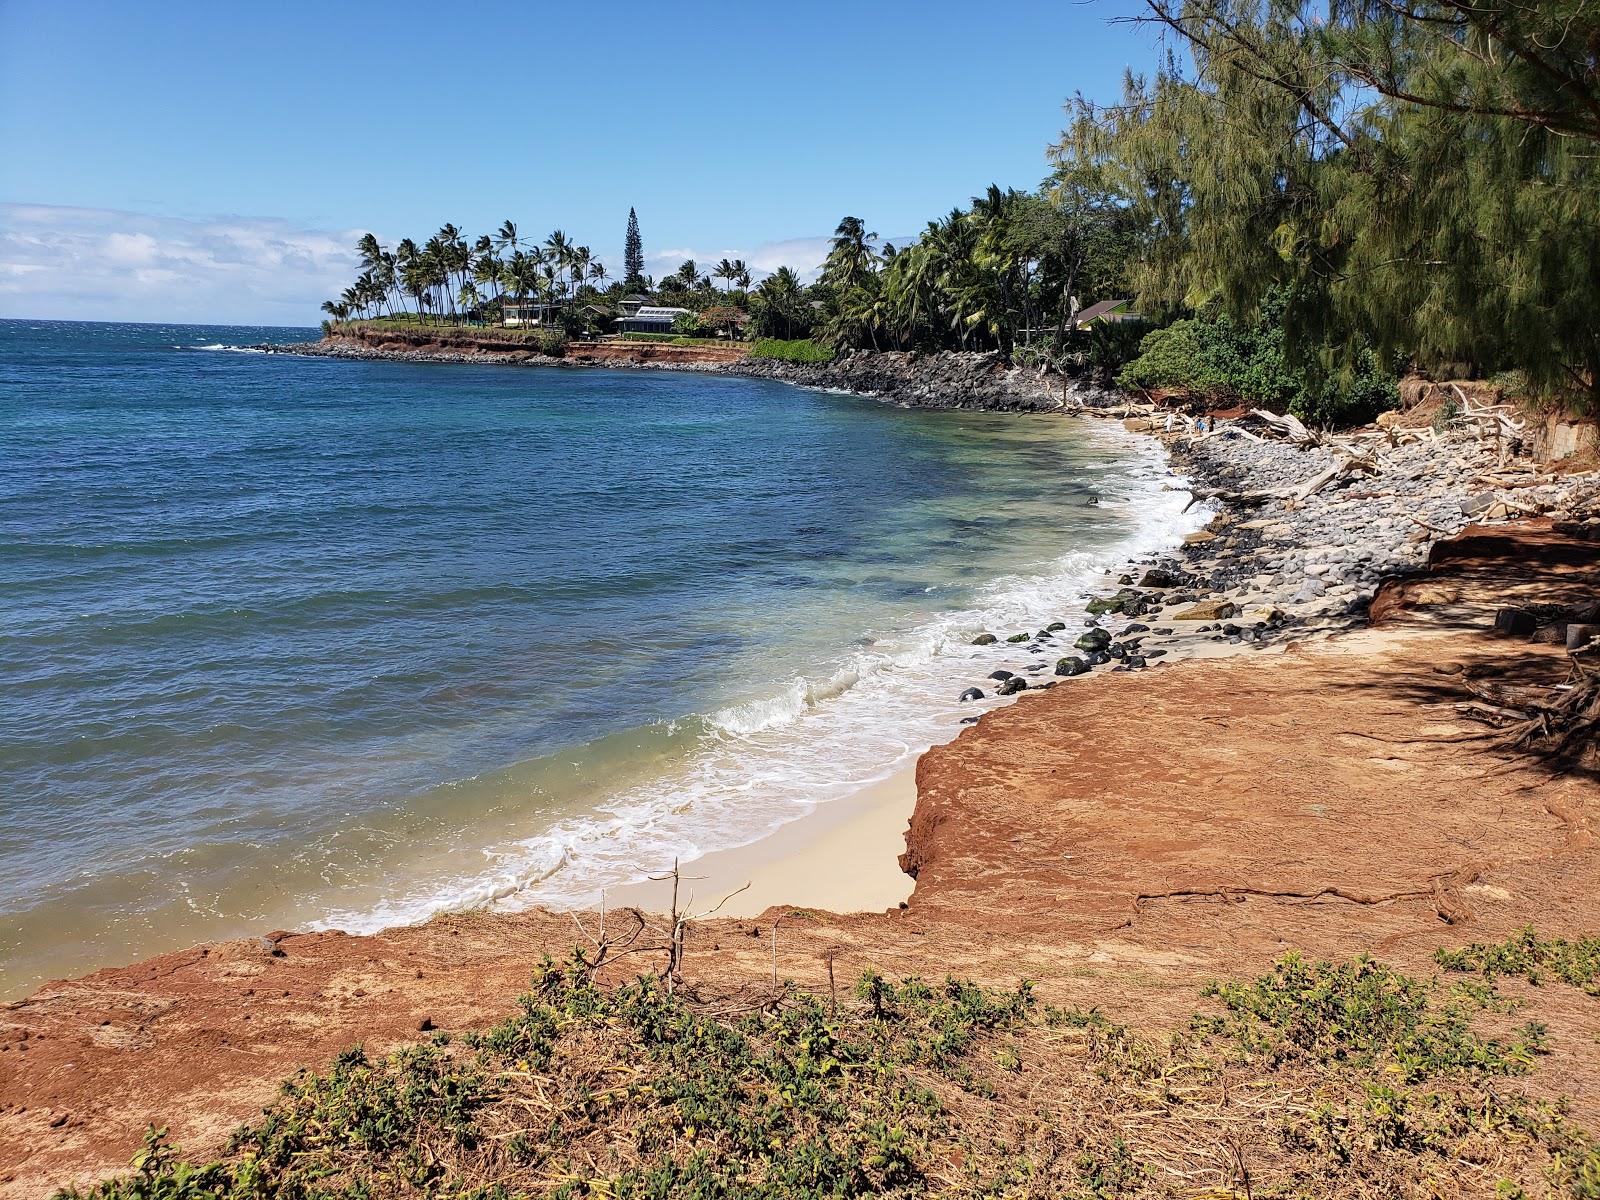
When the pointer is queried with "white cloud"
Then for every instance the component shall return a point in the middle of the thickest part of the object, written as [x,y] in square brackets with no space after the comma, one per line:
[91,264]
[101,264]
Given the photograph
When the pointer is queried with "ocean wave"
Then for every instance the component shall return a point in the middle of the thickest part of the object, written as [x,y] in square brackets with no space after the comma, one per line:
[226,349]
[762,763]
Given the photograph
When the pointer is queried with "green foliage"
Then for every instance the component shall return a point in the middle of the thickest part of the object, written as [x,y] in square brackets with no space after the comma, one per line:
[1422,178]
[1364,1013]
[1534,958]
[1214,357]
[810,1103]
[797,350]
[917,1088]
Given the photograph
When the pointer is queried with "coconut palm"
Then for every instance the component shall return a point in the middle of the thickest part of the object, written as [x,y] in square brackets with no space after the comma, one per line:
[579,261]
[851,256]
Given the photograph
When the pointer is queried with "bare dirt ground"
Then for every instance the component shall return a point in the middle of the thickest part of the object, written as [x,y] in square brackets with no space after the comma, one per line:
[1119,842]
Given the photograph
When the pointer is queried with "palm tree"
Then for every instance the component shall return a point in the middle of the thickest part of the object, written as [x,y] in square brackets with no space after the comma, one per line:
[469,297]
[579,262]
[406,256]
[851,257]
[489,271]
[741,276]
[506,238]
[557,257]
[597,272]
[780,297]
[725,270]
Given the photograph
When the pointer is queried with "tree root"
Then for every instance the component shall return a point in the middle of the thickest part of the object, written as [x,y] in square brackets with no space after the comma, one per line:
[1442,890]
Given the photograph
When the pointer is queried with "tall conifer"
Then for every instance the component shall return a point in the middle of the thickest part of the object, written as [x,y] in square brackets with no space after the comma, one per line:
[633,252]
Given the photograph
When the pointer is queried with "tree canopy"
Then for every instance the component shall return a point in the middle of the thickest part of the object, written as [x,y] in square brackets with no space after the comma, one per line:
[1417,179]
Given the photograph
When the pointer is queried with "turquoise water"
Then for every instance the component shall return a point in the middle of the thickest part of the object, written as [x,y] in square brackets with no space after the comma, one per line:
[291,641]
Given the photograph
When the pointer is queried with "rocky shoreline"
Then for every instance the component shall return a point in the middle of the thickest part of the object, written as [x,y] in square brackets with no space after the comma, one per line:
[946,380]
[1279,565]
[1272,565]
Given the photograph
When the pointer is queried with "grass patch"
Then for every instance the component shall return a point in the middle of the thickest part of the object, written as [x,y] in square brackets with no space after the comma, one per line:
[676,339]
[798,350]
[1315,1080]
[1367,1014]
[1532,957]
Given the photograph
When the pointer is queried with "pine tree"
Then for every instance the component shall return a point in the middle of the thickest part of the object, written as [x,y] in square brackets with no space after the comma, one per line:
[633,253]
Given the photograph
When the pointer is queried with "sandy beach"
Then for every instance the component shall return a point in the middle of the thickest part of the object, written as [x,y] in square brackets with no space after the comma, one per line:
[843,857]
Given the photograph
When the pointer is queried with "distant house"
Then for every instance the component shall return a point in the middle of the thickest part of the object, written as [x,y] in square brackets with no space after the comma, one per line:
[529,312]
[649,318]
[631,304]
[1106,312]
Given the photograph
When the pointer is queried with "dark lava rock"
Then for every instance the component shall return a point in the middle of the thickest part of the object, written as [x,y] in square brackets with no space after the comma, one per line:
[1135,661]
[1125,580]
[1231,629]
[1157,653]
[1092,640]
[1054,627]
[1117,650]
[1002,676]
[1012,686]
[1072,665]
[1099,658]
[985,639]
[1134,628]
[1020,637]
[1515,622]
[971,694]
[1167,632]
[1157,578]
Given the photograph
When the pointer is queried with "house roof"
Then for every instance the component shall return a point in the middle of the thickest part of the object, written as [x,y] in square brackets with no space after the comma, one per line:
[1095,311]
[658,313]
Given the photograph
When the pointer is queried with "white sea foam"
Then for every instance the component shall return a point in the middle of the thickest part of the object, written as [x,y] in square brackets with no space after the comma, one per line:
[770,760]
[225,349]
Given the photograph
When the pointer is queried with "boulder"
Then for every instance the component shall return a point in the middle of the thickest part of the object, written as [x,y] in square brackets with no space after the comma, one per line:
[1020,637]
[1012,686]
[971,694]
[1158,579]
[1001,676]
[1092,640]
[985,639]
[1207,610]
[1071,666]
[1515,622]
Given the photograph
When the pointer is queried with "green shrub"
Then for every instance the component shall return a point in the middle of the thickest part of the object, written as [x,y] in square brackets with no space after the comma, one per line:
[1214,357]
[550,341]
[1364,1013]
[1526,954]
[798,350]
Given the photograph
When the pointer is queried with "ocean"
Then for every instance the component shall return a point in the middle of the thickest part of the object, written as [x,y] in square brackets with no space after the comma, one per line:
[296,642]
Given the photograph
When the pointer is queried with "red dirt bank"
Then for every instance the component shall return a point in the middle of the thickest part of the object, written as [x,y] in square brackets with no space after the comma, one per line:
[1119,842]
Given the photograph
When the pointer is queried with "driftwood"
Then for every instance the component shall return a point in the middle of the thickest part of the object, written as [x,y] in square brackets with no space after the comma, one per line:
[1347,468]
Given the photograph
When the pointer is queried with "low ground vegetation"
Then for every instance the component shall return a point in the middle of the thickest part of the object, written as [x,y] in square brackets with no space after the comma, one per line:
[795,350]
[1314,1080]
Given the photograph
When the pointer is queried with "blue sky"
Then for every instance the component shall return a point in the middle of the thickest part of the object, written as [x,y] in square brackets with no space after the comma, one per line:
[215,162]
